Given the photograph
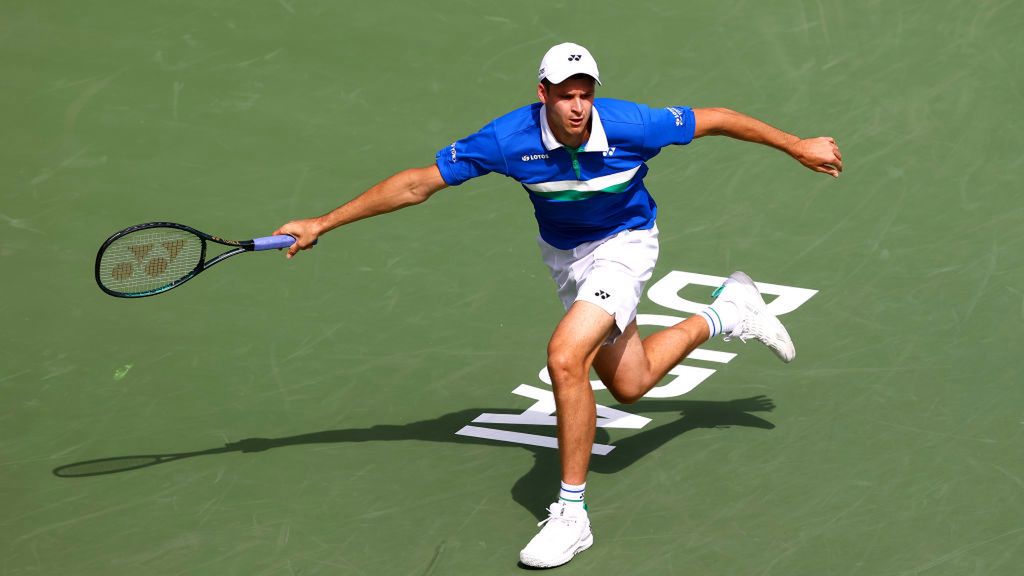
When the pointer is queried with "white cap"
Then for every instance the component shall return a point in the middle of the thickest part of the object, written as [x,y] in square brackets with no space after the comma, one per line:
[566,60]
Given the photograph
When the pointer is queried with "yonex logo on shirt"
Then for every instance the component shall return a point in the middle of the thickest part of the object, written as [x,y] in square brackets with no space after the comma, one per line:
[602,294]
[678,114]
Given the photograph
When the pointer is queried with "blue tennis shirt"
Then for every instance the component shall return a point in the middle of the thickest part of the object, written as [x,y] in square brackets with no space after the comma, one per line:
[578,195]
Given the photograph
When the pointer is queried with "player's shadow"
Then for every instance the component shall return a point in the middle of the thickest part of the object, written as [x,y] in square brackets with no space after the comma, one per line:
[533,490]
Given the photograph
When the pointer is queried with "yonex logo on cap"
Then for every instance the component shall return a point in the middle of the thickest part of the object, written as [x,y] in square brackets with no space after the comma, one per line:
[566,60]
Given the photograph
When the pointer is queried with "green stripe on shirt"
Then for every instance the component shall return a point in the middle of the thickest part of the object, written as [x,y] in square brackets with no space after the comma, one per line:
[576,195]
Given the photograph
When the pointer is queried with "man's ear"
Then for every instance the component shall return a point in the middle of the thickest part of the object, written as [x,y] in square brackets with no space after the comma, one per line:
[542,94]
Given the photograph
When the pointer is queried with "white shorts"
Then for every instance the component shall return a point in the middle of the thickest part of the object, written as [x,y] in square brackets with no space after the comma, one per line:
[610,273]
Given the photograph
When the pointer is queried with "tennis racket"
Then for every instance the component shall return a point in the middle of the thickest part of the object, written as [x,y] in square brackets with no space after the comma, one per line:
[152,258]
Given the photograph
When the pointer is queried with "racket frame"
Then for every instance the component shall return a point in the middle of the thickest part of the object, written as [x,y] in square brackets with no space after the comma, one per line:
[239,246]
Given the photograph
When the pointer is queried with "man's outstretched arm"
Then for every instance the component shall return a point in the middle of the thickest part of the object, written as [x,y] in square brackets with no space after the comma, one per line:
[406,188]
[819,154]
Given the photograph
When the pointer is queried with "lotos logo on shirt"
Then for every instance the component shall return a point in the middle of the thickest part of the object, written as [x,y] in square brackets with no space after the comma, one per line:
[453,151]
[528,157]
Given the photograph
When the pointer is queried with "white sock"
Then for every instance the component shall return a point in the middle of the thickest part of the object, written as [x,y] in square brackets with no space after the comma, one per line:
[721,317]
[572,494]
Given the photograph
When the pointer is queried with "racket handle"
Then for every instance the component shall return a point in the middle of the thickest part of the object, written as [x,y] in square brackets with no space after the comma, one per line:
[272,242]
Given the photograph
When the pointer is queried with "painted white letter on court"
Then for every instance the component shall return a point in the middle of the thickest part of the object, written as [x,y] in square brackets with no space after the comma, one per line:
[666,293]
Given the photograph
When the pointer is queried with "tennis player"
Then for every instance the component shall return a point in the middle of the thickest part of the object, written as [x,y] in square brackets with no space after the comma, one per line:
[582,161]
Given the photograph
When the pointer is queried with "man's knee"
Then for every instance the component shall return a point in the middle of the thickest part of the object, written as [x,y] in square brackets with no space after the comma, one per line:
[565,367]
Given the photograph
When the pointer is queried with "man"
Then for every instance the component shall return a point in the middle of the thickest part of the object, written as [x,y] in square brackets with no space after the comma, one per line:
[582,161]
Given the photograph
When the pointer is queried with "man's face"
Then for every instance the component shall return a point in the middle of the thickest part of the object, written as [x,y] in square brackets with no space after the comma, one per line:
[568,107]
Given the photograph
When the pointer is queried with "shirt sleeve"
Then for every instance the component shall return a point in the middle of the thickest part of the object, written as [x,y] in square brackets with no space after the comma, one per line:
[672,125]
[474,155]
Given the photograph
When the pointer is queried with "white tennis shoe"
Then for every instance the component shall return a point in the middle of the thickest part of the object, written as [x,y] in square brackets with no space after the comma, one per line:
[755,321]
[565,533]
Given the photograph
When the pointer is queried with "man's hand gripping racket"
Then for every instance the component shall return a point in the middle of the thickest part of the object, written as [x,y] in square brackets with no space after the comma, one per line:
[305,233]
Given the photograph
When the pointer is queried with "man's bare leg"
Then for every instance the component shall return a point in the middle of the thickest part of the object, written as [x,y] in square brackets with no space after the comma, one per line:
[632,366]
[629,368]
[571,352]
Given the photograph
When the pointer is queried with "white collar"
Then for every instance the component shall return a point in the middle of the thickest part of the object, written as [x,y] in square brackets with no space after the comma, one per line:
[598,140]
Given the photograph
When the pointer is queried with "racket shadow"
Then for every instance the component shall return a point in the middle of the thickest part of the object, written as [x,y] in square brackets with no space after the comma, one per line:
[532,490]
[117,464]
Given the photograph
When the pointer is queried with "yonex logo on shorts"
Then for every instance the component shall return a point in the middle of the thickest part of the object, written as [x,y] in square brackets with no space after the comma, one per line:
[602,294]
[574,57]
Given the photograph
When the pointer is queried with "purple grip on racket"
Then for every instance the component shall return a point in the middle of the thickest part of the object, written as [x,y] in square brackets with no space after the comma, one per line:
[272,242]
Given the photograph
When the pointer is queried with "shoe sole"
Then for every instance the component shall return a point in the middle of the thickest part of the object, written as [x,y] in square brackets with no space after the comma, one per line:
[538,563]
[789,353]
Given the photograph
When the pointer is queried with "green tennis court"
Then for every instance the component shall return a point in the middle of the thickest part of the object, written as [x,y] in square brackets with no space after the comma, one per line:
[377,405]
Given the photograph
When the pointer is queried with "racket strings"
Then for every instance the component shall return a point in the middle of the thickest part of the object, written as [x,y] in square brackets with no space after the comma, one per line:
[149,259]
